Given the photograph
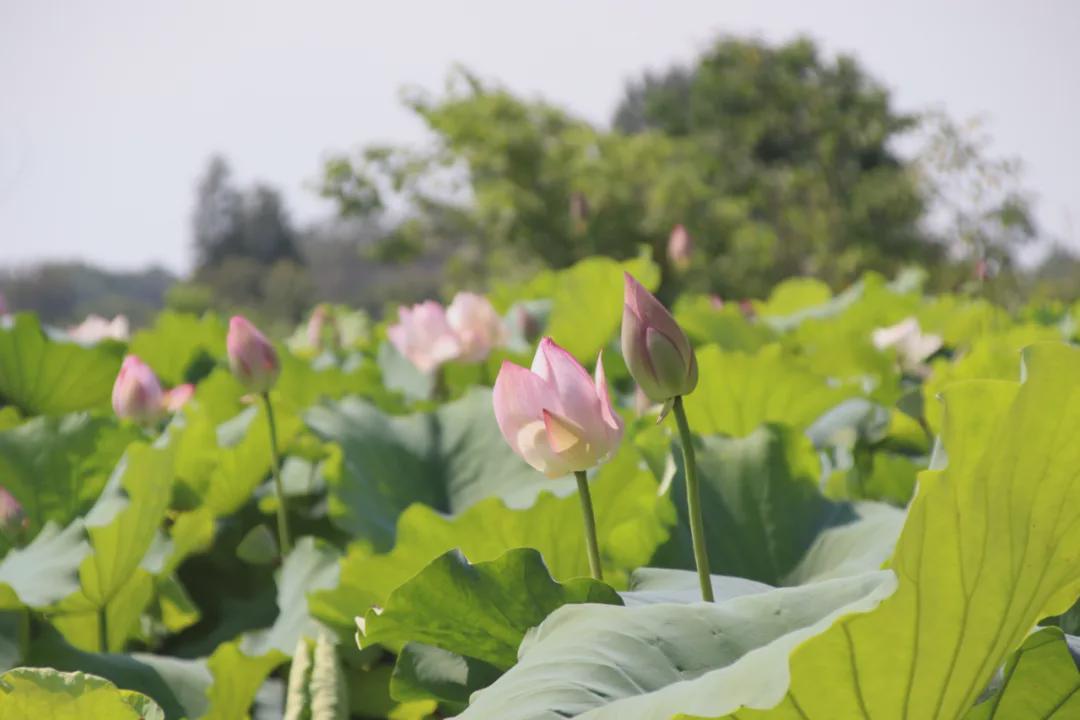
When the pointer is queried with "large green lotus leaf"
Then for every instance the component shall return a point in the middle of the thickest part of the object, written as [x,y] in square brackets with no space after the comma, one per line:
[448,459]
[632,521]
[739,392]
[177,685]
[960,321]
[45,377]
[649,586]
[222,463]
[46,570]
[595,283]
[648,662]
[125,520]
[423,672]
[177,342]
[78,617]
[795,295]
[989,548]
[863,544]
[57,466]
[46,693]
[482,610]
[303,383]
[994,356]
[725,327]
[237,677]
[761,503]
[1041,682]
[9,417]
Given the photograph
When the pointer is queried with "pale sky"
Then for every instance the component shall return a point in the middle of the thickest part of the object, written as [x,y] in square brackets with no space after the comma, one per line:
[109,109]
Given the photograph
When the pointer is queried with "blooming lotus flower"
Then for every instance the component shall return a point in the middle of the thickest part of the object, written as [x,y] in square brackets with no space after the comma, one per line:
[252,357]
[96,328]
[477,326]
[137,393]
[177,397]
[657,351]
[554,415]
[911,344]
[680,248]
[424,336]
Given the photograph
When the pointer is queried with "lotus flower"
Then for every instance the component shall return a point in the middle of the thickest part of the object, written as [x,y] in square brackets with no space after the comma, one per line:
[137,393]
[680,248]
[424,336]
[177,397]
[96,328]
[911,344]
[252,357]
[477,326]
[657,351]
[554,415]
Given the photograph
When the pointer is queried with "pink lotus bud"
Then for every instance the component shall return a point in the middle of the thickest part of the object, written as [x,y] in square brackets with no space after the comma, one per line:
[716,302]
[680,248]
[12,515]
[423,335]
[477,326]
[137,393]
[555,416]
[252,357]
[657,351]
[746,307]
[178,397]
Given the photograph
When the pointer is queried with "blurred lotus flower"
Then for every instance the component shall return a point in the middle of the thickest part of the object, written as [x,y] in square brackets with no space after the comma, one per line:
[746,307]
[177,397]
[96,328]
[554,415]
[12,516]
[680,248]
[137,393]
[657,351]
[252,357]
[424,336]
[912,346]
[321,327]
[477,326]
[716,302]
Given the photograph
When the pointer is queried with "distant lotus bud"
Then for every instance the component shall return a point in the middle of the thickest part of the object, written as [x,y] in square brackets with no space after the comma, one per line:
[423,335]
[137,393]
[477,326]
[680,248]
[252,357]
[178,397]
[557,418]
[746,307]
[716,302]
[657,351]
[12,516]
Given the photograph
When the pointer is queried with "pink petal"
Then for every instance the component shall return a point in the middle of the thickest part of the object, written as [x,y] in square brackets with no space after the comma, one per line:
[571,383]
[519,398]
[607,410]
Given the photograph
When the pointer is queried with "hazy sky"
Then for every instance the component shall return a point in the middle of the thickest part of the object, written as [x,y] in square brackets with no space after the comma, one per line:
[110,108]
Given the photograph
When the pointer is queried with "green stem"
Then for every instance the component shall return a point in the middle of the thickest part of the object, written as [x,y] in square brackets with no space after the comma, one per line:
[693,502]
[282,510]
[103,628]
[591,544]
